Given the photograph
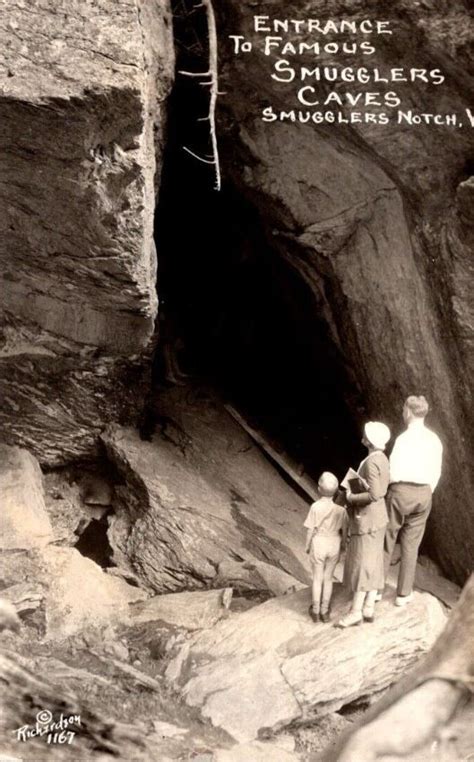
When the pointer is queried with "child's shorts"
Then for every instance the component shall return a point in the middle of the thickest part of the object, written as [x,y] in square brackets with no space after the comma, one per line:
[325,548]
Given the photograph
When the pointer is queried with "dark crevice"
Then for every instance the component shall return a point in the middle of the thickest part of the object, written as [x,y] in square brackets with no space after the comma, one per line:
[354,709]
[94,542]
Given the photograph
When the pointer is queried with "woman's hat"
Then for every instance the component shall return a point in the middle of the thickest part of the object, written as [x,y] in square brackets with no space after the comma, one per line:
[377,433]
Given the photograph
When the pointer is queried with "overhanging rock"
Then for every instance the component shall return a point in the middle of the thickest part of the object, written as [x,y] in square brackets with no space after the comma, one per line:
[82,111]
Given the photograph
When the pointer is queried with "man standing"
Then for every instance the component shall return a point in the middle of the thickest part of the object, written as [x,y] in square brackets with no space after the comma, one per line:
[415,469]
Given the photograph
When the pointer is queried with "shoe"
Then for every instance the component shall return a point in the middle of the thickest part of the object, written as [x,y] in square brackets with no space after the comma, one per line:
[313,614]
[378,597]
[368,614]
[402,600]
[325,616]
[350,620]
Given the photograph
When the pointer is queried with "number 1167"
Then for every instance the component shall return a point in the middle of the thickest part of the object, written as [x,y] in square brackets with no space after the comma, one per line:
[62,737]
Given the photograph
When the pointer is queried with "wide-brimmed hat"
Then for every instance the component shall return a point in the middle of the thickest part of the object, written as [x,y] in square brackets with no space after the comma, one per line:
[377,433]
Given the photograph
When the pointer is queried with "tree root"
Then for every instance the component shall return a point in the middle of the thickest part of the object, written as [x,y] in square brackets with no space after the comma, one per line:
[211,80]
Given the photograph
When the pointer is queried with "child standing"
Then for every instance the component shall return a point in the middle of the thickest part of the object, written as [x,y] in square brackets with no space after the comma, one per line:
[325,524]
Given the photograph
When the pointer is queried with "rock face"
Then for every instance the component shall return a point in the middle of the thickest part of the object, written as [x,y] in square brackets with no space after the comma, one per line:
[198,496]
[79,595]
[68,593]
[258,575]
[271,666]
[82,94]
[376,220]
[74,592]
[193,611]
[24,520]
[258,752]
[66,504]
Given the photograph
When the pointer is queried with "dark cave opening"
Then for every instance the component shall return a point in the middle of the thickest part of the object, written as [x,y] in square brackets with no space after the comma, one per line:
[233,313]
[94,543]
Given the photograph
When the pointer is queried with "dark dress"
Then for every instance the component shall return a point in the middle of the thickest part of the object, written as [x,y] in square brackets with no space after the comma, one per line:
[363,569]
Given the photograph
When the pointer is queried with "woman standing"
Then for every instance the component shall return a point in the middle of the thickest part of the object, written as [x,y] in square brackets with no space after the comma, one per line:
[363,570]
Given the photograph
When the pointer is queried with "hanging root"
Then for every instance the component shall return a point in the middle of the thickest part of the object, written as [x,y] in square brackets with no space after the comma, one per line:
[210,79]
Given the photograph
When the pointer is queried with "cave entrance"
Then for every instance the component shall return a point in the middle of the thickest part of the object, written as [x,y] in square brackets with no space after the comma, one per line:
[237,314]
[242,320]
[94,543]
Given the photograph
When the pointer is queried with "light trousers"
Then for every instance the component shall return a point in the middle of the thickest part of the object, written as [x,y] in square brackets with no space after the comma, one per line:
[408,507]
[325,552]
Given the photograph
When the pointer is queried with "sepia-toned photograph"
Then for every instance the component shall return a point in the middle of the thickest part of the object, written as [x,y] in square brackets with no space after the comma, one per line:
[236,380]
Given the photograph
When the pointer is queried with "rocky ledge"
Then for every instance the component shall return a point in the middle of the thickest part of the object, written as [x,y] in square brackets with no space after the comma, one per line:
[272,667]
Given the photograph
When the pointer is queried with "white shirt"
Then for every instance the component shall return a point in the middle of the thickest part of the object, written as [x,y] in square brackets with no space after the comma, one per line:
[416,456]
[326,517]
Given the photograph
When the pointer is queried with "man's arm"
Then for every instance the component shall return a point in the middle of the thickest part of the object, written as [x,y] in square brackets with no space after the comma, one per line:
[396,461]
[436,462]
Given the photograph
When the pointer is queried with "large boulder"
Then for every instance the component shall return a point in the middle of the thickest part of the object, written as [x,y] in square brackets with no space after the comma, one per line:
[67,592]
[271,666]
[82,97]
[376,220]
[61,593]
[24,520]
[198,496]
[79,595]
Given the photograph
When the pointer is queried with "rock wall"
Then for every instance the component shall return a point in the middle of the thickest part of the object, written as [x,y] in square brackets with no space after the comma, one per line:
[82,106]
[377,220]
